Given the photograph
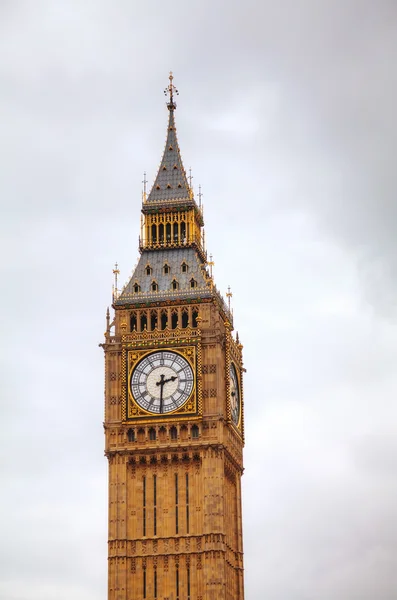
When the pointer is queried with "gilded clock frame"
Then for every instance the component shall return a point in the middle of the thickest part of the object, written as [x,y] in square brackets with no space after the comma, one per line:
[233,356]
[191,408]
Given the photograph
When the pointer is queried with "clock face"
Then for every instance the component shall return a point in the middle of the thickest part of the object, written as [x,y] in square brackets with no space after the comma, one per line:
[234,395]
[162,382]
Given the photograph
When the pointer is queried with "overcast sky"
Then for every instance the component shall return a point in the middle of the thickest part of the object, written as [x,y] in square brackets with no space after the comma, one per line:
[286,115]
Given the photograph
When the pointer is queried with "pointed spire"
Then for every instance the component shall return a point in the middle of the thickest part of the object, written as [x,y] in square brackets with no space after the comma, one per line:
[171,183]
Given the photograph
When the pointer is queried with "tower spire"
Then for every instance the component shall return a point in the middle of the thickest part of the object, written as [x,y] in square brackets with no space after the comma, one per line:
[171,185]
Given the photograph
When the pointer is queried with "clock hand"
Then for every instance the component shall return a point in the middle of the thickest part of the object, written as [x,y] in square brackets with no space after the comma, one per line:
[161,383]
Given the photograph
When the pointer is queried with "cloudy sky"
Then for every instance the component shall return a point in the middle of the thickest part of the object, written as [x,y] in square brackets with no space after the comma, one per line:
[286,115]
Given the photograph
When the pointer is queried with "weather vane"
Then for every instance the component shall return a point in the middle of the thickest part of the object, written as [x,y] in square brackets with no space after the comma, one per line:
[170,90]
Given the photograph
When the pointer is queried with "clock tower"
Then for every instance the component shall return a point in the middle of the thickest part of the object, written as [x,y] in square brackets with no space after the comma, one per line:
[174,420]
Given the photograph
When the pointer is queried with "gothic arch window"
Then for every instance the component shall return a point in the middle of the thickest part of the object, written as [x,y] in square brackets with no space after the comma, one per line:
[154,286]
[166,268]
[193,283]
[168,232]
[131,435]
[162,433]
[154,233]
[174,284]
[137,288]
[143,321]
[174,320]
[141,435]
[184,432]
[164,319]
[161,232]
[148,270]
[175,232]
[184,267]
[133,322]
[153,320]
[173,432]
[152,433]
[195,431]
[185,318]
[194,317]
[183,231]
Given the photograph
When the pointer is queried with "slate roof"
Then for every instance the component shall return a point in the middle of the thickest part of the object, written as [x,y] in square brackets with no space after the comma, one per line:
[174,258]
[171,182]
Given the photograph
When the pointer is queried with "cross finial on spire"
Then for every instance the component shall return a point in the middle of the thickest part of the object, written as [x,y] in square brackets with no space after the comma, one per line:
[170,90]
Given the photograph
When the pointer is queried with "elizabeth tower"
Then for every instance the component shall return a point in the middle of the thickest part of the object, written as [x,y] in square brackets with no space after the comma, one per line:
[174,421]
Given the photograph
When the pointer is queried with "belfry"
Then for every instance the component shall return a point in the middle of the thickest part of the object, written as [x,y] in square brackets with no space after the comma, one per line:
[174,419]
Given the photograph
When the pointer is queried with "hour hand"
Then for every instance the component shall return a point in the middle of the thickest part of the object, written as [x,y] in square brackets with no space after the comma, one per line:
[170,379]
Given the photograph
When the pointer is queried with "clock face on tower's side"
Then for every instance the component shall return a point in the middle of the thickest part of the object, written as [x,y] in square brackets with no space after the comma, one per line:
[234,395]
[162,382]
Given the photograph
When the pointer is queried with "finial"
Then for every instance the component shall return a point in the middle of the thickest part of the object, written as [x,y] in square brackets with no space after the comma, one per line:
[116,272]
[107,320]
[228,295]
[211,264]
[144,186]
[190,177]
[170,90]
[200,195]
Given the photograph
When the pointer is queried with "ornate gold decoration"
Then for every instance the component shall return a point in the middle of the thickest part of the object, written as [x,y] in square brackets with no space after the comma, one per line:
[132,356]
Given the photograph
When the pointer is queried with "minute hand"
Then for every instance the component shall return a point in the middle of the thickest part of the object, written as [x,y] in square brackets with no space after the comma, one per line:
[161,384]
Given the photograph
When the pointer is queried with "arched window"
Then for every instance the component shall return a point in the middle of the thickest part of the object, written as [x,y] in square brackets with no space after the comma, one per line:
[168,232]
[152,433]
[131,435]
[162,433]
[175,284]
[164,319]
[154,233]
[173,433]
[161,232]
[184,268]
[153,319]
[133,322]
[185,319]
[183,231]
[137,288]
[143,321]
[154,286]
[166,269]
[148,270]
[194,318]
[175,232]
[141,435]
[174,320]
[193,283]
[195,431]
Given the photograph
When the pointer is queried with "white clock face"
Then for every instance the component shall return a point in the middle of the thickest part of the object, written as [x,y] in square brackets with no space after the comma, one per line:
[234,396]
[162,382]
